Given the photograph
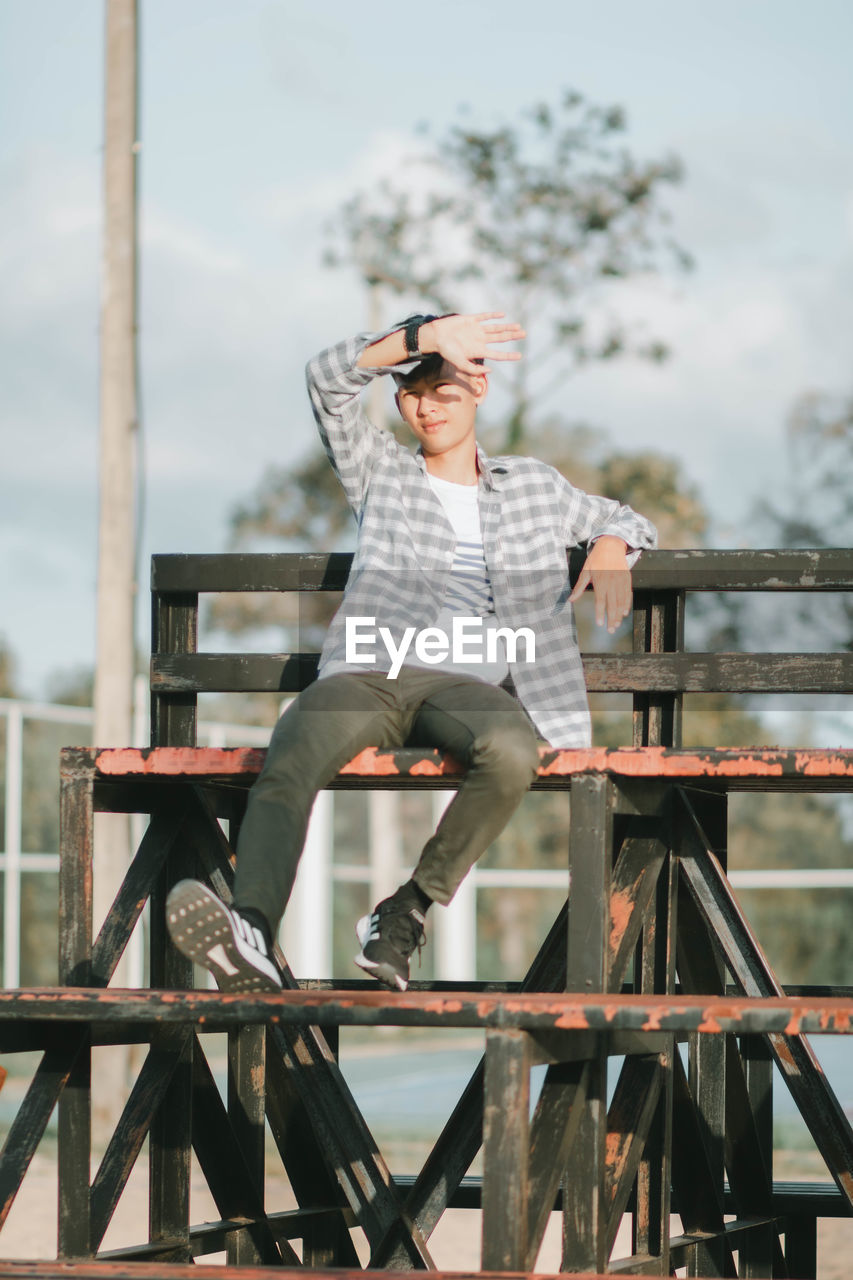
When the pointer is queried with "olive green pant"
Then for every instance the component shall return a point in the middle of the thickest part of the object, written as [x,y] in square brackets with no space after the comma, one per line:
[480,724]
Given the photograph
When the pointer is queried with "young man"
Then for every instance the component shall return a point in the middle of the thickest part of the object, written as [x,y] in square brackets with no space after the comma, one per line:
[458,594]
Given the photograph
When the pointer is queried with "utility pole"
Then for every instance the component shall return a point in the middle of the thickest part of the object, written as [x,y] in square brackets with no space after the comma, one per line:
[116,599]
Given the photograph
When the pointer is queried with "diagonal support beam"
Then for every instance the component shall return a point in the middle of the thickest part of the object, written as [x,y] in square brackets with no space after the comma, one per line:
[633,886]
[154,849]
[343,1138]
[693,1180]
[309,1167]
[27,1129]
[752,973]
[224,1166]
[130,1133]
[629,1123]
[552,1132]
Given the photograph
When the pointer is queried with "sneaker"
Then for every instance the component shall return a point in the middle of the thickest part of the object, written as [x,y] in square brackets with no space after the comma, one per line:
[388,937]
[212,935]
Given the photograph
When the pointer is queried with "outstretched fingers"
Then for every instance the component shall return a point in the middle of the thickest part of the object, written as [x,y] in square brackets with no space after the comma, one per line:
[466,340]
[503,355]
[508,332]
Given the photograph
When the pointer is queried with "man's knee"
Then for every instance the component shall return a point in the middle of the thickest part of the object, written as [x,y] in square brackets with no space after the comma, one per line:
[509,752]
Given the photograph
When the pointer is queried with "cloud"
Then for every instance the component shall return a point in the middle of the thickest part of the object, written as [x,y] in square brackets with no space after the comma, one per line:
[744,348]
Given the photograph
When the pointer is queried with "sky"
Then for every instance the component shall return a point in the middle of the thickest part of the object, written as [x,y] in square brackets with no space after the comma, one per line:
[258,119]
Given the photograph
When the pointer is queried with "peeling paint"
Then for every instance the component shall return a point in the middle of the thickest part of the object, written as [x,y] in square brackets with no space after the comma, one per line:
[834,764]
[179,761]
[665,763]
[573,1019]
[777,1016]
[621,910]
[612,1151]
[372,762]
[783,1053]
[427,768]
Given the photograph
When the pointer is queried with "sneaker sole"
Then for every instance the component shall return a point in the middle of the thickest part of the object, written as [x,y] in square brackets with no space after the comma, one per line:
[200,927]
[384,973]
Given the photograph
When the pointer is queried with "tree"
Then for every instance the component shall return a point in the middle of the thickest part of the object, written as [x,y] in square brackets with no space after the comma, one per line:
[7,670]
[549,213]
[816,511]
[805,932]
[72,686]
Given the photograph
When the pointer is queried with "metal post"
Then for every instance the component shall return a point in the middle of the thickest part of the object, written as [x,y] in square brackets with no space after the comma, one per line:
[117,531]
[307,928]
[12,860]
[115,663]
[384,843]
[456,925]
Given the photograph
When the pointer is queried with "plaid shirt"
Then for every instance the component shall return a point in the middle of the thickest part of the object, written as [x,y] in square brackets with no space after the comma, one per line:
[529,513]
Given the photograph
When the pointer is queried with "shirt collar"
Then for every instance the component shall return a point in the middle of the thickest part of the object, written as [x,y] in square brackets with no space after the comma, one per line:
[491,471]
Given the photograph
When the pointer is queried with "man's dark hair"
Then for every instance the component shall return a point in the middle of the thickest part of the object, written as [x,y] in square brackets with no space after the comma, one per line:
[430,367]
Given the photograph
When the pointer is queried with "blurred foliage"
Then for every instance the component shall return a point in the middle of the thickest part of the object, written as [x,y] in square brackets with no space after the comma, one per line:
[804,932]
[8,687]
[815,510]
[548,213]
[72,687]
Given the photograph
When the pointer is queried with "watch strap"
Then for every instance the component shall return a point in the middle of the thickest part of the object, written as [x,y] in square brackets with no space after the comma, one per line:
[412,331]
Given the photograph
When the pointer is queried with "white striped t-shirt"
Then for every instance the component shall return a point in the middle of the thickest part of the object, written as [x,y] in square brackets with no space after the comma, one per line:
[469,591]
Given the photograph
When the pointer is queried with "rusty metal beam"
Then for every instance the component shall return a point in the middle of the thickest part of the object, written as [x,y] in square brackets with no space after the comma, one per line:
[529,1011]
[95,1270]
[733,768]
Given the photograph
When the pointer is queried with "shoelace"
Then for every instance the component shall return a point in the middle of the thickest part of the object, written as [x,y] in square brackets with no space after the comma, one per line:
[401,928]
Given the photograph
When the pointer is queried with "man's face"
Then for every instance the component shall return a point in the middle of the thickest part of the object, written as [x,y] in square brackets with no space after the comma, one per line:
[441,408]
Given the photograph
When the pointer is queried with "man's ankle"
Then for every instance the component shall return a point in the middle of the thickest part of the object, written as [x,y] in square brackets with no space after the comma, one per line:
[412,891]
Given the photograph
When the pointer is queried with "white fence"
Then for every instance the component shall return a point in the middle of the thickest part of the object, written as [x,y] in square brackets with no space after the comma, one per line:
[307,930]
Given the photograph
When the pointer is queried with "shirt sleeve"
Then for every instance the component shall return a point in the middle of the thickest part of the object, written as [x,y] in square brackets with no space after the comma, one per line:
[352,442]
[587,517]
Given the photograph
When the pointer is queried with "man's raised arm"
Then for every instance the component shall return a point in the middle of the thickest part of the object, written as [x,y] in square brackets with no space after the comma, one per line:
[463,341]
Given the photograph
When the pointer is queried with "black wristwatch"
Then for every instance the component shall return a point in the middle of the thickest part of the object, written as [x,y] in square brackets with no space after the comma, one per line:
[412,331]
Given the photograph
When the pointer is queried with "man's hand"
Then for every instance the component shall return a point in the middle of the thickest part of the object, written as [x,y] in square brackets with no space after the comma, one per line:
[463,339]
[606,567]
